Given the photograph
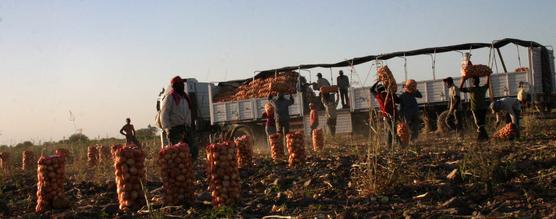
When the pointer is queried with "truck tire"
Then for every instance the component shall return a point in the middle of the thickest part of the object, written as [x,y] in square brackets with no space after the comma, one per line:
[239,131]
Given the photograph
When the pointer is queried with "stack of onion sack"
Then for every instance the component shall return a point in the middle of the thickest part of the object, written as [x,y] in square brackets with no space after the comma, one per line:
[410,86]
[276,147]
[471,71]
[28,161]
[244,151]
[4,160]
[64,153]
[92,156]
[50,185]
[115,148]
[318,140]
[509,131]
[223,173]
[296,149]
[129,166]
[403,133]
[387,78]
[176,169]
[104,153]
[328,89]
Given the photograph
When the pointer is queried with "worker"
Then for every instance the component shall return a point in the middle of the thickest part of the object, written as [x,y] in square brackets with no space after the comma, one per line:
[313,117]
[387,102]
[176,116]
[321,82]
[343,86]
[454,118]
[508,107]
[270,123]
[522,94]
[409,109]
[129,132]
[330,106]
[281,112]
[478,104]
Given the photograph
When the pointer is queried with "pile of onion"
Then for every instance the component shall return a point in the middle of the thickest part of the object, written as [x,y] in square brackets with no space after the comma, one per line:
[64,153]
[471,71]
[176,170]
[50,185]
[129,166]
[92,156]
[28,161]
[4,160]
[402,131]
[296,148]
[509,131]
[276,147]
[244,151]
[318,140]
[115,148]
[104,154]
[223,173]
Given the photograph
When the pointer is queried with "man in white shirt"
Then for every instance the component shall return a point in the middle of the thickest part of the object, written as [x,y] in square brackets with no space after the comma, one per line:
[454,118]
[507,106]
[175,115]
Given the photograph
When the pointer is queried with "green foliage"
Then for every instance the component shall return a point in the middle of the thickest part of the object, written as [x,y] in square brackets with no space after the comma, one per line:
[78,137]
[24,144]
[220,212]
[146,133]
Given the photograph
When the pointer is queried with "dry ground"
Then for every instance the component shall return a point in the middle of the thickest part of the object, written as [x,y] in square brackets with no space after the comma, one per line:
[351,179]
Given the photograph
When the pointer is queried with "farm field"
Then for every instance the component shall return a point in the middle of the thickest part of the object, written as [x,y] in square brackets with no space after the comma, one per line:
[440,175]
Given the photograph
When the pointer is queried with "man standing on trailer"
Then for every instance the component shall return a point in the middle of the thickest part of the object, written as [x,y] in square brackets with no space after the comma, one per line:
[281,113]
[454,118]
[343,85]
[507,106]
[478,104]
[175,114]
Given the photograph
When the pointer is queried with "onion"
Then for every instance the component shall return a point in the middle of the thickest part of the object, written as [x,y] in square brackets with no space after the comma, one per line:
[222,166]
[296,148]
[50,175]
[177,174]
[129,171]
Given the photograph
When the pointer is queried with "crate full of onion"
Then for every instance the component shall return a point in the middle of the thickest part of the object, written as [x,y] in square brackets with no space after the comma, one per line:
[276,147]
[318,139]
[176,171]
[92,155]
[244,151]
[50,183]
[129,168]
[28,161]
[223,173]
[296,148]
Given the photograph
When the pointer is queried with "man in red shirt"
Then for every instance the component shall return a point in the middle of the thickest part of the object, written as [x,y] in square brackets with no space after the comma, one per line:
[387,102]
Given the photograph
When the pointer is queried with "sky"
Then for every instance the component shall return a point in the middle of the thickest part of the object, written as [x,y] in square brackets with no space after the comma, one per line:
[107,60]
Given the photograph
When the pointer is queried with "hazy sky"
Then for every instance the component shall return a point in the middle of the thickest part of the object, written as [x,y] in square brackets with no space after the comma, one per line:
[107,60]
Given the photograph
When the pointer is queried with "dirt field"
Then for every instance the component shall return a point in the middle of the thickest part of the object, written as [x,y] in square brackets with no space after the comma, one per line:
[351,179]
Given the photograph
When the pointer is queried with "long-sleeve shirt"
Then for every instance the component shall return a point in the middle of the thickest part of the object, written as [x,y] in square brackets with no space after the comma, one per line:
[330,107]
[510,106]
[322,82]
[175,113]
[408,104]
[343,82]
[281,108]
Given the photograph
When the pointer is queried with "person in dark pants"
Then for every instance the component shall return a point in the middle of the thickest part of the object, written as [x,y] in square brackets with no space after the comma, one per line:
[176,116]
[281,113]
[343,85]
[478,104]
[409,109]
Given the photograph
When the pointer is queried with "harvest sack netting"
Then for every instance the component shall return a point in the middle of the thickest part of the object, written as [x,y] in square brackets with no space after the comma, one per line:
[176,169]
[223,173]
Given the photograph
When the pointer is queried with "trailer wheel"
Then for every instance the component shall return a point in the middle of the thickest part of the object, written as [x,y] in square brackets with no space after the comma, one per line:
[243,130]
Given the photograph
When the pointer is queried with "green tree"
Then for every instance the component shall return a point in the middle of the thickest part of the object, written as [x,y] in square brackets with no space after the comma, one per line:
[146,133]
[24,144]
[78,137]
